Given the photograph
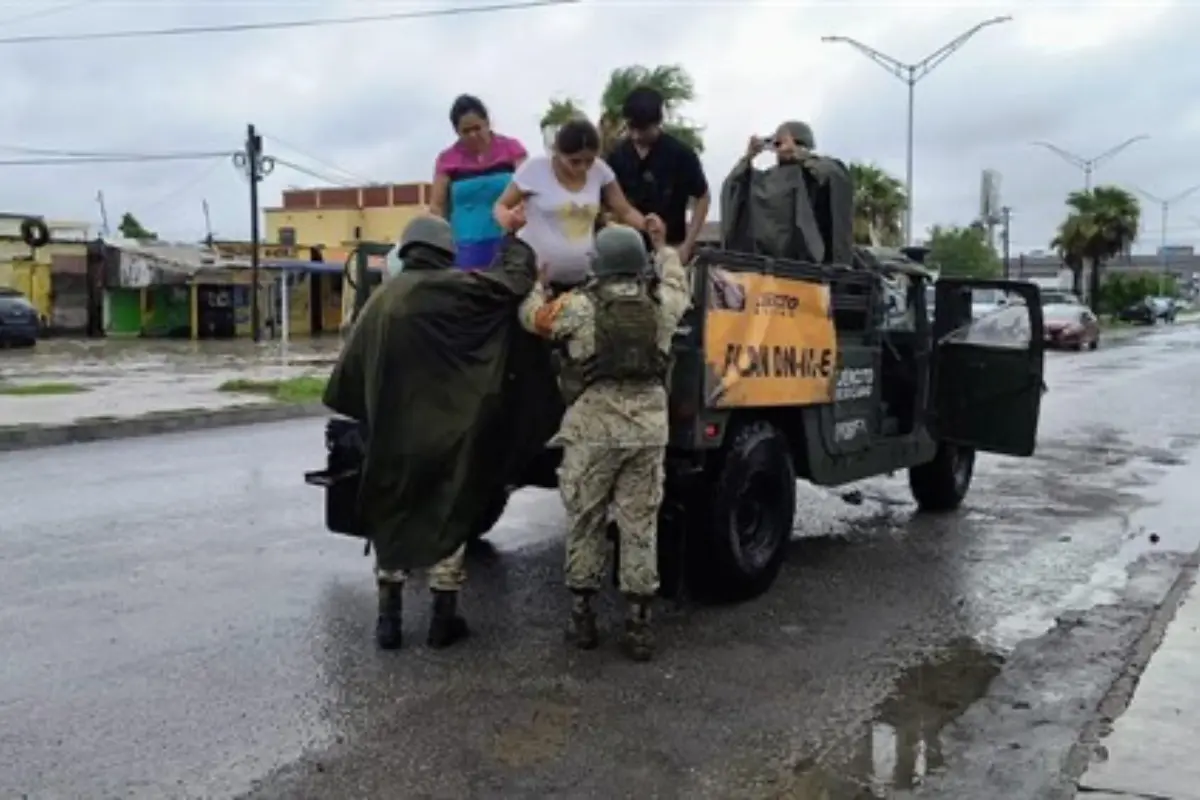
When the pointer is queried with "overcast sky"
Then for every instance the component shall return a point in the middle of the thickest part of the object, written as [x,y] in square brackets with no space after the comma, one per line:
[373,99]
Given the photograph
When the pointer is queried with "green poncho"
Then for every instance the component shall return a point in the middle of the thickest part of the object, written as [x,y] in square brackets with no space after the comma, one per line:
[456,397]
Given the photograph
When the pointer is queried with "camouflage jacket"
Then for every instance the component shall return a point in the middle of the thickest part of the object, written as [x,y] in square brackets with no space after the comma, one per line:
[608,415]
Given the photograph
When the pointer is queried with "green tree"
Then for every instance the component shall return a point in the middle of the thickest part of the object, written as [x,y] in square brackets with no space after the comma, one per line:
[673,83]
[1101,223]
[962,253]
[130,228]
[879,205]
[1121,291]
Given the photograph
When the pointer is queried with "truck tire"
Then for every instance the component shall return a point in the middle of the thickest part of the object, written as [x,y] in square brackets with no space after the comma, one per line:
[495,510]
[745,518]
[942,484]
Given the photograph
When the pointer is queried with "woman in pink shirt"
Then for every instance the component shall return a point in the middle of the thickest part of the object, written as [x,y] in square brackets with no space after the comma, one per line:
[469,177]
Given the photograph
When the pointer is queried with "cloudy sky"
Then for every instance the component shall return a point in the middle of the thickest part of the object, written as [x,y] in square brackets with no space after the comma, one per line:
[371,101]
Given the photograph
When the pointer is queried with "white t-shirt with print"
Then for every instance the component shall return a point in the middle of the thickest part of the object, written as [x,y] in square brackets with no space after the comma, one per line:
[560,224]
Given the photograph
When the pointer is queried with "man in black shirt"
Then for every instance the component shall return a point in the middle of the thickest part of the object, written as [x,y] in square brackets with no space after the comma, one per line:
[659,173]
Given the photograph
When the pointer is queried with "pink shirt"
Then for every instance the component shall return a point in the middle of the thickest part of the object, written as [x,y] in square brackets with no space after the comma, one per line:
[456,161]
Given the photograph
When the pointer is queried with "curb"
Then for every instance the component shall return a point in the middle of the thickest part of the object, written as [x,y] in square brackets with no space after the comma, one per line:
[94,429]
[1125,332]
[1121,692]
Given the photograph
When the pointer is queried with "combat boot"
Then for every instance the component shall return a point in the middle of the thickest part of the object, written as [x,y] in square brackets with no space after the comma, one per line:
[389,625]
[582,630]
[446,626]
[639,637]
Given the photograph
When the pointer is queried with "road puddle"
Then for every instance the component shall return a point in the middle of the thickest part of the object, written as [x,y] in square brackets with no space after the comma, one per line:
[902,744]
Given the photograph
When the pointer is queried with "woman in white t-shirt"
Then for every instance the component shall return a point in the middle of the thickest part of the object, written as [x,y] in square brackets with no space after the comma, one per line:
[554,202]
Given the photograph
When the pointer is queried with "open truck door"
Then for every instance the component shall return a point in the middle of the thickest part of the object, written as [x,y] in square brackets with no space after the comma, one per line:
[987,375]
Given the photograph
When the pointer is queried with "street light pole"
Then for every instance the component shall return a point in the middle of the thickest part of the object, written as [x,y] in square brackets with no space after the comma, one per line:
[1088,165]
[1006,215]
[911,74]
[1165,208]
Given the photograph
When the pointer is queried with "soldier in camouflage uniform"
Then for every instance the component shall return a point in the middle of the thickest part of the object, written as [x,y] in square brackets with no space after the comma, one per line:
[616,332]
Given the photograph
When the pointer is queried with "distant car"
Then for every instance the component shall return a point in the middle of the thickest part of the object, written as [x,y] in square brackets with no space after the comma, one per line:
[1054,297]
[1165,308]
[986,301]
[1070,326]
[1150,311]
[19,324]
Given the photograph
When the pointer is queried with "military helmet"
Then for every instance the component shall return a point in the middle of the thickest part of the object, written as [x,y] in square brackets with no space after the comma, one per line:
[429,231]
[801,132]
[620,251]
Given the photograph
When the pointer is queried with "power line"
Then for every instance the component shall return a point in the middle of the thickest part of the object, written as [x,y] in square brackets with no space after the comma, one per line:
[191,183]
[318,160]
[314,174]
[113,159]
[281,25]
[41,151]
[46,12]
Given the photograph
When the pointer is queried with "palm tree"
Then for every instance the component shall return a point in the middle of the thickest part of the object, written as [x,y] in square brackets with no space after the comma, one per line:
[1101,223]
[671,81]
[879,204]
[1071,242]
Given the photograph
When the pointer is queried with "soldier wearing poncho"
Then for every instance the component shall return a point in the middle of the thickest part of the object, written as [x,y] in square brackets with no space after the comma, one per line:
[616,331]
[425,371]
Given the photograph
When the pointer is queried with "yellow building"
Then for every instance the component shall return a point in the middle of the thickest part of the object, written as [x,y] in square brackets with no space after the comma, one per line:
[29,272]
[335,218]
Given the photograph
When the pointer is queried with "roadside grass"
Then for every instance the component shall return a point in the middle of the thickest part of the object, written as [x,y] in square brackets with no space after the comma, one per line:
[303,389]
[41,389]
[1110,324]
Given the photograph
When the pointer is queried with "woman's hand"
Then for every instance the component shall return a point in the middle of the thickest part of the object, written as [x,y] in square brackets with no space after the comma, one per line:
[511,219]
[656,229]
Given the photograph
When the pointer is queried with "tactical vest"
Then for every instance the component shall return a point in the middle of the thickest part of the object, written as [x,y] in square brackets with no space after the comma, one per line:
[626,341]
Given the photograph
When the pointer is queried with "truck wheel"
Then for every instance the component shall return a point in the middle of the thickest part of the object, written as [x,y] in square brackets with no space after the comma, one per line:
[942,484]
[495,510]
[745,520]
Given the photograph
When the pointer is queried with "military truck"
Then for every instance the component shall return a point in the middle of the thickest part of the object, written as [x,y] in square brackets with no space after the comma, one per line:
[829,370]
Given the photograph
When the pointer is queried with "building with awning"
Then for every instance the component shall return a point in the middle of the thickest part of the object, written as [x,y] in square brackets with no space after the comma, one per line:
[165,289]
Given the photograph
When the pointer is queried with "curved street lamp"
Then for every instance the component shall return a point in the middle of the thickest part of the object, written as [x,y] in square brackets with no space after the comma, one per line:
[1165,207]
[911,74]
[1088,165]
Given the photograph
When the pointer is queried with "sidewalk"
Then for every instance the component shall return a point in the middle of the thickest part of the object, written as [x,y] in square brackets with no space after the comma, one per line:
[1150,752]
[73,391]
[72,359]
[115,379]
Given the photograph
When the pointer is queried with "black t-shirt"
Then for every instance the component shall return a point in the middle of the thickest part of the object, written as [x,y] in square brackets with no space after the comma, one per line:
[662,182]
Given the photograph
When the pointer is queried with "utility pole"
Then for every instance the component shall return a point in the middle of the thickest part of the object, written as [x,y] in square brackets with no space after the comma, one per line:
[1165,209]
[255,166]
[103,213]
[1088,165]
[1006,216]
[911,74]
[208,234]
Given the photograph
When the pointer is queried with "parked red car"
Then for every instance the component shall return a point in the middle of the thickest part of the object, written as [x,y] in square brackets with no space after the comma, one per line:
[1070,326]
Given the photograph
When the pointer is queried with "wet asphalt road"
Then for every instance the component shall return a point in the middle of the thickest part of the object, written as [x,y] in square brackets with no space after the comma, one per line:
[176,623]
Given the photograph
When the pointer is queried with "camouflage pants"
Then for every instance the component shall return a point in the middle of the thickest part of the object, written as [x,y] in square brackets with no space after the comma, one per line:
[448,575]
[629,482]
